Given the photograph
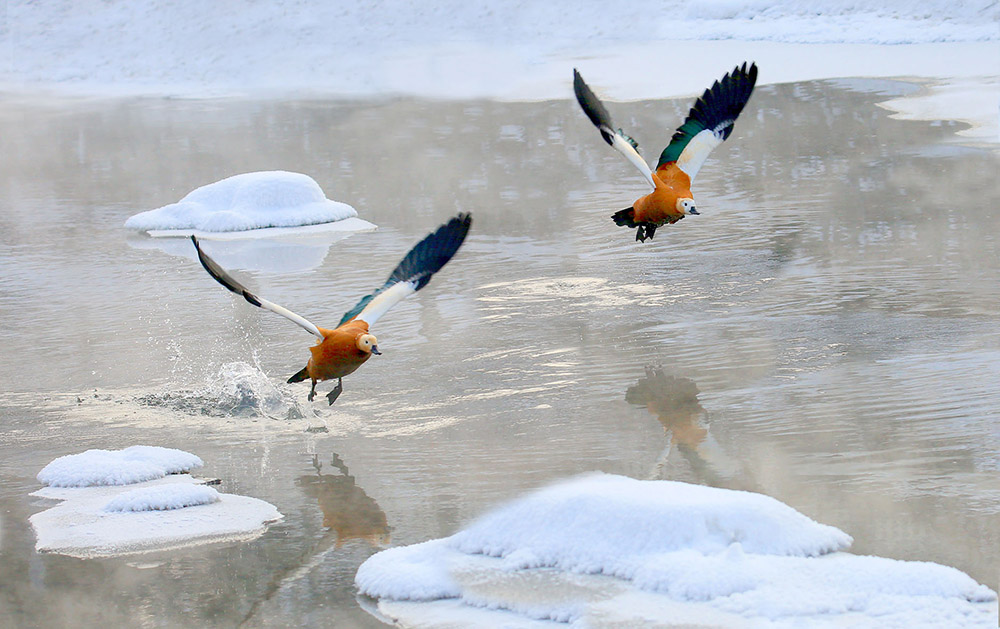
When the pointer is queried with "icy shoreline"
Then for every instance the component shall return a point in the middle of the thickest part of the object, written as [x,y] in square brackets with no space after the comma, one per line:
[503,50]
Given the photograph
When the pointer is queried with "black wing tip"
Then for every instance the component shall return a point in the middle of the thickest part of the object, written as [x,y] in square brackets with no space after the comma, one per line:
[197,247]
[744,75]
[722,103]
[463,220]
[208,263]
[429,255]
[424,260]
[592,106]
[219,275]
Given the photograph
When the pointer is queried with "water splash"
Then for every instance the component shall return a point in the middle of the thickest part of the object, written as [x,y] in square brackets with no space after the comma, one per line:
[237,389]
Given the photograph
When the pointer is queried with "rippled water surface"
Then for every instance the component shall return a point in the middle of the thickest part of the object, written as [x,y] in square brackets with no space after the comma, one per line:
[827,332]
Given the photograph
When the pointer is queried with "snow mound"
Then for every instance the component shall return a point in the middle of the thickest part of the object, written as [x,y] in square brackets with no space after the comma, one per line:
[596,520]
[413,573]
[244,202]
[163,498]
[134,464]
[109,506]
[612,551]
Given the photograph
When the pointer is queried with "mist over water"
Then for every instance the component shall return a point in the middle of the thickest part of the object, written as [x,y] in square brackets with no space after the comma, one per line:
[826,332]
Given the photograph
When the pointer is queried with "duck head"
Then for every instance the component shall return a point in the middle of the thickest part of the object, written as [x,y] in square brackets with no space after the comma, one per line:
[368,344]
[685,205]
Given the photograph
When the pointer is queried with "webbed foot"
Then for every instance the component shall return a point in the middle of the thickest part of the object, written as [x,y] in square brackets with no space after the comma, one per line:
[335,393]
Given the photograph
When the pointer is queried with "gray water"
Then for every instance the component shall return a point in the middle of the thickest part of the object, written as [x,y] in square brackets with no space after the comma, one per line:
[827,332]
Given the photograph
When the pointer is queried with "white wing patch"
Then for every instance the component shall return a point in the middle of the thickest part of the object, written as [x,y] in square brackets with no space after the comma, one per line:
[622,145]
[291,316]
[693,157]
[220,275]
[389,298]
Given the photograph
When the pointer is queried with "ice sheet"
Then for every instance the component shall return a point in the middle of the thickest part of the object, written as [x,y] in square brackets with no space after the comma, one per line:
[625,552]
[249,201]
[136,500]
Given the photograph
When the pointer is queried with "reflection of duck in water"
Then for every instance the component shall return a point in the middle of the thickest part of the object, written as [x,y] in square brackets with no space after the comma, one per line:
[674,401]
[348,511]
[340,351]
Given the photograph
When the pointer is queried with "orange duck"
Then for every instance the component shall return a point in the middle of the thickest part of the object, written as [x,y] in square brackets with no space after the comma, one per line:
[708,124]
[340,351]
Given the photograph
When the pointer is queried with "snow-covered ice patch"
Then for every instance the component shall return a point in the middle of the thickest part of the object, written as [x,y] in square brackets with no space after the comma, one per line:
[249,201]
[116,47]
[108,507]
[972,100]
[609,550]
[285,44]
[649,517]
[134,464]
[163,498]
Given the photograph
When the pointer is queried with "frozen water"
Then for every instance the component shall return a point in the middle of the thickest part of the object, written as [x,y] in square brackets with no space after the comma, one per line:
[422,50]
[124,502]
[162,498]
[134,464]
[171,512]
[739,556]
[249,201]
[597,520]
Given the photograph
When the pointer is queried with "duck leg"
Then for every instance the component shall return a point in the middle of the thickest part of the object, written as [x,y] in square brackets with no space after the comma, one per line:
[312,392]
[337,390]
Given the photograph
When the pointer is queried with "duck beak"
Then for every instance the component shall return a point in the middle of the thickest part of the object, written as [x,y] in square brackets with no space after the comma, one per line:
[375,350]
[694,210]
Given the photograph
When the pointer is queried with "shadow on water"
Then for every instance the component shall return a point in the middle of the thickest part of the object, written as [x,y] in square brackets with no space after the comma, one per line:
[673,400]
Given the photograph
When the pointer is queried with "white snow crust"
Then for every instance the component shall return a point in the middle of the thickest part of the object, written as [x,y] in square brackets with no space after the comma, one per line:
[163,498]
[378,46]
[613,551]
[650,517]
[504,49]
[135,500]
[248,201]
[134,464]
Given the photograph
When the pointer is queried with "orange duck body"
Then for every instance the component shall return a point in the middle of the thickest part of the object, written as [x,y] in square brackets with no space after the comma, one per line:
[340,351]
[338,354]
[660,206]
[707,125]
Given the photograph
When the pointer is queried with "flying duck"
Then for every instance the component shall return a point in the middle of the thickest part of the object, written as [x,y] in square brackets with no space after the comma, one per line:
[340,351]
[707,125]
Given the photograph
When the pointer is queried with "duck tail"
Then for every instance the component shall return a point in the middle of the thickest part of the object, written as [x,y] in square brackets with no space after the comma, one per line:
[300,375]
[624,218]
